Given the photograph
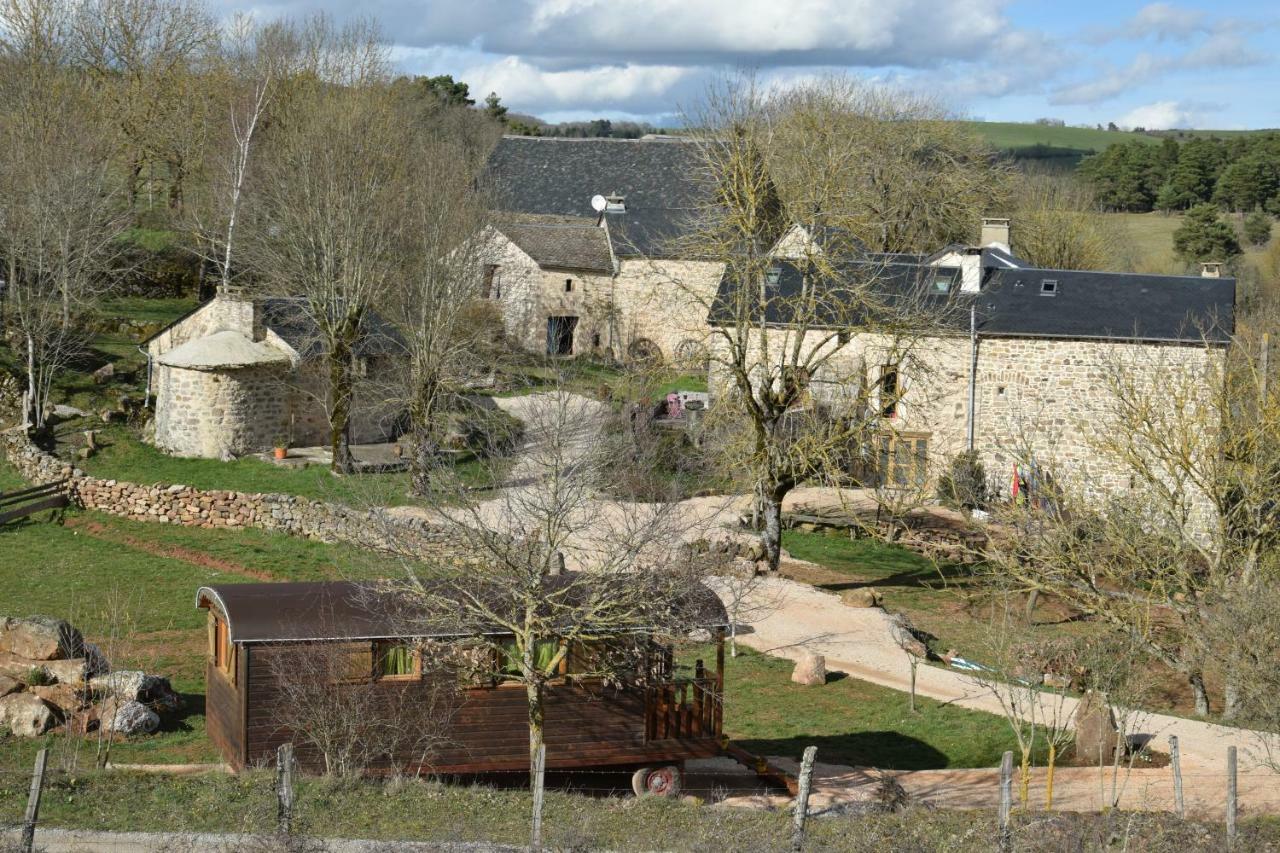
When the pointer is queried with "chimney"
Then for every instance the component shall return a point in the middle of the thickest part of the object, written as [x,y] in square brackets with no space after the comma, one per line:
[1211,269]
[995,231]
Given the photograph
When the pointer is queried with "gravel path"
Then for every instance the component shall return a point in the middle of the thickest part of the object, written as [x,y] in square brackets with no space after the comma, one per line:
[857,641]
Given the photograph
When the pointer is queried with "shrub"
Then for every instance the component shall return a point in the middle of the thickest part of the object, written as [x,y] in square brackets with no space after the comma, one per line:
[1257,228]
[964,484]
[488,432]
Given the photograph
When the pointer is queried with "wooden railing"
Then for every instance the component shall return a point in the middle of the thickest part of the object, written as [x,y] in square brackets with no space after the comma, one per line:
[683,708]
[20,504]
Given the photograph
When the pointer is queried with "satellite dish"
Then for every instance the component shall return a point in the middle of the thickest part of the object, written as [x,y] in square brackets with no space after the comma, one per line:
[599,203]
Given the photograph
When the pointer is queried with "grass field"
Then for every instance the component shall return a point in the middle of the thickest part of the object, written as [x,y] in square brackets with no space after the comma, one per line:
[1147,240]
[124,457]
[130,586]
[1007,135]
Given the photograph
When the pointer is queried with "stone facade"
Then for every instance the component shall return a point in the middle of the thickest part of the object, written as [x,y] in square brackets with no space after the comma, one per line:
[648,304]
[219,411]
[1041,401]
[214,414]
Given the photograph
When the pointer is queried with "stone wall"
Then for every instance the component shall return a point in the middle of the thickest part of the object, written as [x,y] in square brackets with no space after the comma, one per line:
[220,413]
[187,506]
[665,301]
[1037,400]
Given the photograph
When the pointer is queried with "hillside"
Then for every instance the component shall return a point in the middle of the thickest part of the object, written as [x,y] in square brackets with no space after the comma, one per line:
[1068,145]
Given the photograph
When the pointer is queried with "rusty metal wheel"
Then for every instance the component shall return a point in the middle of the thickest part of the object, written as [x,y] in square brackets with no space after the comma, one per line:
[662,781]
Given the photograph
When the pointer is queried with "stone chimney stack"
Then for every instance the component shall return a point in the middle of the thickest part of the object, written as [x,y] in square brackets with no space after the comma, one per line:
[1211,269]
[995,231]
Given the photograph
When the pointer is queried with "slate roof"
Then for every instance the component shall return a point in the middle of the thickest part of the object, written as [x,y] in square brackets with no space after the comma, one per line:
[571,243]
[355,610]
[290,318]
[656,178]
[1084,305]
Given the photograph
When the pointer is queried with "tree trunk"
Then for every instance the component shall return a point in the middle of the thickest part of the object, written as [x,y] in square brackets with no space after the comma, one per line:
[340,390]
[424,458]
[1032,599]
[1202,695]
[35,412]
[1231,697]
[771,536]
[533,692]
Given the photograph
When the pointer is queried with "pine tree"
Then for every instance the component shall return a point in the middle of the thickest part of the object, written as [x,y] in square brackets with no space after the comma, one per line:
[1257,228]
[1205,236]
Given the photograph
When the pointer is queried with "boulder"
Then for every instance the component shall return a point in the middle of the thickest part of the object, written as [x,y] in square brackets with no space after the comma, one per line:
[129,718]
[811,669]
[63,412]
[9,685]
[1096,733]
[63,698]
[154,691]
[102,374]
[26,715]
[39,638]
[861,597]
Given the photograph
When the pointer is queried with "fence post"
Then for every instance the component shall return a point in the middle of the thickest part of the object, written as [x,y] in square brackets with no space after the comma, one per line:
[1175,759]
[539,783]
[1006,798]
[1231,797]
[802,797]
[284,789]
[33,802]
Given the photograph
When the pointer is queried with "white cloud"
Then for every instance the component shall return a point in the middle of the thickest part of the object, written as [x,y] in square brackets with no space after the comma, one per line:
[1162,115]
[519,83]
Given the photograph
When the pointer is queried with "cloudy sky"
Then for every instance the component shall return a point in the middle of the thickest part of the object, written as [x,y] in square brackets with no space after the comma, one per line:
[1163,64]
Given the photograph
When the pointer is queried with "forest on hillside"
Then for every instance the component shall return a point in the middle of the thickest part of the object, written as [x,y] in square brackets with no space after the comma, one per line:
[1239,174]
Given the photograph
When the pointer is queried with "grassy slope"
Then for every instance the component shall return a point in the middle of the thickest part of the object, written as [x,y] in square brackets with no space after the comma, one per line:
[1005,135]
[1150,238]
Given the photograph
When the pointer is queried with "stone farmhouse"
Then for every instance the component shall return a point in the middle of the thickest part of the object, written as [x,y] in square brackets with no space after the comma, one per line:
[575,278]
[1016,368]
[238,376]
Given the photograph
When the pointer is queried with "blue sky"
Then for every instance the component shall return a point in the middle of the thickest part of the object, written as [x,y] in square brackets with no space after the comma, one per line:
[1163,64]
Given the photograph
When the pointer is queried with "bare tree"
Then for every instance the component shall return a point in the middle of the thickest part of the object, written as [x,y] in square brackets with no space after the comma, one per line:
[328,208]
[256,62]
[60,216]
[148,60]
[1198,435]
[1060,225]
[447,329]
[554,570]
[812,338]
[332,705]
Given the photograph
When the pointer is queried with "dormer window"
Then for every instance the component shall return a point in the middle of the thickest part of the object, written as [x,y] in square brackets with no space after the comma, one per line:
[772,277]
[943,280]
[615,204]
[1049,287]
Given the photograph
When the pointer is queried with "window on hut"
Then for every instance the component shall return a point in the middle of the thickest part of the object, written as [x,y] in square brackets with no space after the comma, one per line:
[221,651]
[544,651]
[393,659]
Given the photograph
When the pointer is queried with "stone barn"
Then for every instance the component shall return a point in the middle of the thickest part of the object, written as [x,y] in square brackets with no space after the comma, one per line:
[239,376]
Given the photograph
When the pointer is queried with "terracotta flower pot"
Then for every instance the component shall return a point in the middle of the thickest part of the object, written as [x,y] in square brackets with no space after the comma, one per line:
[282,452]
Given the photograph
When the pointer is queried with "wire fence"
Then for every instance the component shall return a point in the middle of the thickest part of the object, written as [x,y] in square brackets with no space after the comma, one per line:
[279,808]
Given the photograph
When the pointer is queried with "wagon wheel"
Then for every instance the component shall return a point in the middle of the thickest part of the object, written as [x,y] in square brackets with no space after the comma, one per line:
[645,352]
[657,781]
[691,354]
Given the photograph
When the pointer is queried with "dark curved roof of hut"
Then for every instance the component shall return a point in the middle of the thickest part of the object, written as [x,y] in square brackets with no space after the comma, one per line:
[352,610]
[657,179]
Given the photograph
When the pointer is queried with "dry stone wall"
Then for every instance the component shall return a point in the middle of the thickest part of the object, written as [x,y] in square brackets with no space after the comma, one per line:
[191,507]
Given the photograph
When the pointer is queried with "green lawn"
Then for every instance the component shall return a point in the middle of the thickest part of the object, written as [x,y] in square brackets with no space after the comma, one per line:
[124,457]
[146,309]
[130,587]
[1149,239]
[851,721]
